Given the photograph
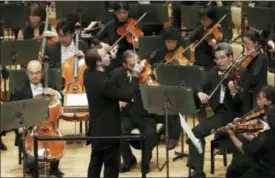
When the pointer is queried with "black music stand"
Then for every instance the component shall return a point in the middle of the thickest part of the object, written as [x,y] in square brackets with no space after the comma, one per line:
[18,78]
[22,114]
[13,15]
[17,52]
[258,17]
[190,16]
[85,11]
[167,100]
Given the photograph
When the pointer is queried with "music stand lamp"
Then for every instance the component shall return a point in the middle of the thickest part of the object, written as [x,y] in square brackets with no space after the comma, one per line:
[20,114]
[167,100]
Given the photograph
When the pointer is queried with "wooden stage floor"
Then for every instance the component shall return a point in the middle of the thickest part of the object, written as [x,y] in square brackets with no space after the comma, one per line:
[76,159]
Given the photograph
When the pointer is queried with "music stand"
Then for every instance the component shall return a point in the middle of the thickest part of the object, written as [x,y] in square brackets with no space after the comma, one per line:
[17,52]
[167,100]
[259,17]
[13,15]
[190,16]
[17,78]
[22,114]
[86,11]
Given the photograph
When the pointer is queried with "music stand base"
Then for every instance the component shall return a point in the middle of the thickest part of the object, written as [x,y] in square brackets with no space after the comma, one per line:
[179,155]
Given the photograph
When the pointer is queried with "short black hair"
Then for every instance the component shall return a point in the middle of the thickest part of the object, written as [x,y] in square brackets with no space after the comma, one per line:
[209,12]
[66,26]
[268,92]
[253,36]
[120,5]
[92,57]
[171,33]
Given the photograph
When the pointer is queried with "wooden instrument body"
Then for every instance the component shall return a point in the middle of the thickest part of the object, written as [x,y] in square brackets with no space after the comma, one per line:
[74,86]
[47,150]
[145,76]
[177,57]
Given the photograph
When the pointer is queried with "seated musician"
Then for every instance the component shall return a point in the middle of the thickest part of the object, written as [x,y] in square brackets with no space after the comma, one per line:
[204,51]
[225,103]
[36,25]
[5,75]
[134,116]
[32,88]
[109,32]
[65,47]
[172,37]
[256,151]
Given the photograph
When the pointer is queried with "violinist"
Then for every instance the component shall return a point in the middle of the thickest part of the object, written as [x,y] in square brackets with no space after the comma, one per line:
[103,99]
[65,47]
[109,32]
[33,87]
[222,102]
[256,151]
[133,115]
[35,27]
[204,51]
[257,68]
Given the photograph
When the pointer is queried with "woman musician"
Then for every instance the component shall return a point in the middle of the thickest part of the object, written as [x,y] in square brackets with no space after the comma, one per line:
[256,151]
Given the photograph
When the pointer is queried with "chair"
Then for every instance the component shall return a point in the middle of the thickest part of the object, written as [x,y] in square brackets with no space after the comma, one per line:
[136,144]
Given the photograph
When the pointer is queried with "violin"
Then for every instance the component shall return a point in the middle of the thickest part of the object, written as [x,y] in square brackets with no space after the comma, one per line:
[246,61]
[215,33]
[252,115]
[130,29]
[146,75]
[177,57]
[242,128]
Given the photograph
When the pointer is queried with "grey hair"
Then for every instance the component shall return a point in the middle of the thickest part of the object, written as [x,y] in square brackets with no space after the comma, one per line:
[224,47]
[128,54]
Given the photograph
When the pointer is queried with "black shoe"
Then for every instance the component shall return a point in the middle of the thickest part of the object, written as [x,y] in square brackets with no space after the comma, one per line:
[3,146]
[197,174]
[126,167]
[172,144]
[56,173]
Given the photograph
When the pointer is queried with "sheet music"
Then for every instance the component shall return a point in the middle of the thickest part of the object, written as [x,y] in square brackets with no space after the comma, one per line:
[77,100]
[190,134]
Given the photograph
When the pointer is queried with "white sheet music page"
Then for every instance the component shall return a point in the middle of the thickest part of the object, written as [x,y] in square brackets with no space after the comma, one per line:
[77,100]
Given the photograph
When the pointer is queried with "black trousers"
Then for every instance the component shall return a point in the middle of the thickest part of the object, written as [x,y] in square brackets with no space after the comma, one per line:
[147,127]
[202,130]
[110,157]
[28,160]
[174,127]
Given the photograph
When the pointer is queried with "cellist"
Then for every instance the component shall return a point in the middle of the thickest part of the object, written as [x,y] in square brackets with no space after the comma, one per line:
[109,32]
[35,27]
[33,87]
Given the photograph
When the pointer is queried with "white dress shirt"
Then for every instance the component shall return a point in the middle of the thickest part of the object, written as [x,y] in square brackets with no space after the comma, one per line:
[222,91]
[37,89]
[67,52]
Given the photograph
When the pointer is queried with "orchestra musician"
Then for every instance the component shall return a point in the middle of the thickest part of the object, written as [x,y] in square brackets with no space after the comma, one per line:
[103,99]
[65,47]
[109,32]
[225,104]
[35,27]
[32,88]
[255,156]
[5,75]
[134,116]
[204,51]
[257,68]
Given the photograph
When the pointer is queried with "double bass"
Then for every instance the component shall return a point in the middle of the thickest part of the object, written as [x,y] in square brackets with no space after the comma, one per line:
[72,71]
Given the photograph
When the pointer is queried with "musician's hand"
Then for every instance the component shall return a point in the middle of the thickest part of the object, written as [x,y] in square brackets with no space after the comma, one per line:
[203,97]
[49,34]
[271,45]
[236,120]
[232,88]
[50,91]
[212,43]
[122,104]
[20,130]
[105,46]
[137,70]
[136,43]
[229,131]
[248,136]
[114,51]
[80,54]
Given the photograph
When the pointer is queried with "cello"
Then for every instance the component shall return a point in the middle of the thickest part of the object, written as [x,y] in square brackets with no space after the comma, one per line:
[72,71]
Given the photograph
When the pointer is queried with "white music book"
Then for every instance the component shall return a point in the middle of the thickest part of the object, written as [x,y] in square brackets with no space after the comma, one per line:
[77,100]
[190,134]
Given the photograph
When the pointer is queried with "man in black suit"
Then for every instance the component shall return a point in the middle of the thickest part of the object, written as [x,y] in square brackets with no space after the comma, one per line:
[134,116]
[34,86]
[65,47]
[103,98]
[226,103]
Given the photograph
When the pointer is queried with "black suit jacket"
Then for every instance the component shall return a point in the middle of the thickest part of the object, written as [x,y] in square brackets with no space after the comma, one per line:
[233,104]
[54,53]
[134,107]
[103,97]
